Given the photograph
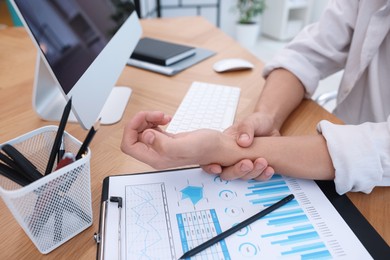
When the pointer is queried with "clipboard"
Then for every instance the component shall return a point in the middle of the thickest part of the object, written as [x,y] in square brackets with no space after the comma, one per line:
[166,213]
[200,55]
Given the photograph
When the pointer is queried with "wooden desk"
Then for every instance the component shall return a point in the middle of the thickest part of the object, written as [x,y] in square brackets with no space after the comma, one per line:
[150,92]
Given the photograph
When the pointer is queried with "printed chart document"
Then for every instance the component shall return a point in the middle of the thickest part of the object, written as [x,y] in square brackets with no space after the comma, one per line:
[165,214]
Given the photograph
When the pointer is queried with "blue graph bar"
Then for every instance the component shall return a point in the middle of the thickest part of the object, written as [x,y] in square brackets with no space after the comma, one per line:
[215,221]
[295,229]
[291,204]
[267,184]
[300,249]
[268,191]
[274,177]
[297,238]
[284,213]
[265,200]
[288,220]
[325,254]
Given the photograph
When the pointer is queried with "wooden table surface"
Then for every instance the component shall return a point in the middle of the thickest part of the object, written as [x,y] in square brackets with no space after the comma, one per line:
[151,91]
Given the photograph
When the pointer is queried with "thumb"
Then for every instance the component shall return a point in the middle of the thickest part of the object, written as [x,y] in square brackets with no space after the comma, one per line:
[156,140]
[148,137]
[245,135]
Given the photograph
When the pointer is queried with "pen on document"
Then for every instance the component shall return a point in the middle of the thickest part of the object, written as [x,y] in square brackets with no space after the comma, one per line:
[22,162]
[58,137]
[84,147]
[237,227]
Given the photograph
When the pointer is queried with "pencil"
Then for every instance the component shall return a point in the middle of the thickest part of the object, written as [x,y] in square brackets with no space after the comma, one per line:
[84,147]
[61,151]
[57,140]
[236,228]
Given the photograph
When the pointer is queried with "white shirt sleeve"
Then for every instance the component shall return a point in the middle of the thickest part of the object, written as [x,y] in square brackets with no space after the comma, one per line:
[360,154]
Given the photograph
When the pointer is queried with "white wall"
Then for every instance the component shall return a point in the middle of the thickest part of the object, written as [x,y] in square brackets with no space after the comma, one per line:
[227,19]
[228,16]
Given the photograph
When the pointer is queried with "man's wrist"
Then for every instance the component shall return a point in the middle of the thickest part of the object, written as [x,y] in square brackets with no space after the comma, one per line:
[217,149]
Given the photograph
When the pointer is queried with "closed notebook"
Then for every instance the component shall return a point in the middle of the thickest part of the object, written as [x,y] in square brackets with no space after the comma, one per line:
[161,52]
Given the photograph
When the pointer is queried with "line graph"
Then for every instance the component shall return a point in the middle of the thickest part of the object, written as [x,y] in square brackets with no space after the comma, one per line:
[148,228]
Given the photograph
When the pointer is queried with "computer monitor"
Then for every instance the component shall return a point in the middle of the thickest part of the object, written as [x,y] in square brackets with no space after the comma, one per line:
[83,46]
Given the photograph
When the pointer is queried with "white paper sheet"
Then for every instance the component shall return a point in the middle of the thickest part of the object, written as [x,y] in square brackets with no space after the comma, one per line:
[166,214]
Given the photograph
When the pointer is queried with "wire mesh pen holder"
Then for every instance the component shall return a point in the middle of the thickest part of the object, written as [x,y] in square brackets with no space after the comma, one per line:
[58,206]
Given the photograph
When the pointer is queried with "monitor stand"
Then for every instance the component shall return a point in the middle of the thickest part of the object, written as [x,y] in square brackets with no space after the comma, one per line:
[49,101]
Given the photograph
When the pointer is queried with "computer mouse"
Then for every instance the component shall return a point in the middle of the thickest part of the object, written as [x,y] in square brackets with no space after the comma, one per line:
[232,64]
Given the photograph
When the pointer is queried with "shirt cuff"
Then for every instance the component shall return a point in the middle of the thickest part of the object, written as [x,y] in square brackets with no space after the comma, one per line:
[357,153]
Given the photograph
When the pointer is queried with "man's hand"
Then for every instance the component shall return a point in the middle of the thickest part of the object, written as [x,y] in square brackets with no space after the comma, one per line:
[132,143]
[256,124]
[145,141]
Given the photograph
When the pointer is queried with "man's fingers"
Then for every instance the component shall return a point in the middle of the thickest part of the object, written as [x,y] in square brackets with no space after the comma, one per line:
[141,121]
[147,119]
[212,168]
[266,174]
[238,170]
[260,165]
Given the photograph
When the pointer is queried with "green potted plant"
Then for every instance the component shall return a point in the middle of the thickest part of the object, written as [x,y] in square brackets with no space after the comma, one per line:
[248,24]
[249,10]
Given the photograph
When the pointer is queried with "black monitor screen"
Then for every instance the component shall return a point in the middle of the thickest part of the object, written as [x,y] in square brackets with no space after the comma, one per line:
[71,33]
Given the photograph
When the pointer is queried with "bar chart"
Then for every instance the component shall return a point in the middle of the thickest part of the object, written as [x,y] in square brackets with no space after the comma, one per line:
[293,233]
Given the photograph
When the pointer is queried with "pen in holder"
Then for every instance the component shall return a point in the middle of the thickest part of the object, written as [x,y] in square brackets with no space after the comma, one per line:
[58,206]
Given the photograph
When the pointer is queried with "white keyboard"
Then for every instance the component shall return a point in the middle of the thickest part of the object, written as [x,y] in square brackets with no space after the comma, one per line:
[206,105]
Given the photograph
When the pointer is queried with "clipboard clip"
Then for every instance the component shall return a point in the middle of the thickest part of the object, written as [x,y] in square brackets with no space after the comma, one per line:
[119,201]
[100,236]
